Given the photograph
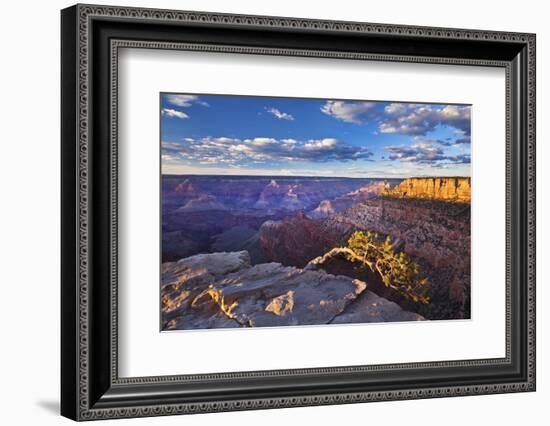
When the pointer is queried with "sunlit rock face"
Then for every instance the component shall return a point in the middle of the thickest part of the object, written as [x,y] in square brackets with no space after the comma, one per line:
[186,279]
[223,290]
[444,188]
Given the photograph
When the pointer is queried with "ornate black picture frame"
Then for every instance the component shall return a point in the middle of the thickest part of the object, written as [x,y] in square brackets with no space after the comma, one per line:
[91,387]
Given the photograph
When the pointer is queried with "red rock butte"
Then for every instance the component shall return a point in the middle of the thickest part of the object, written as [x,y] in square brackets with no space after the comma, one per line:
[440,188]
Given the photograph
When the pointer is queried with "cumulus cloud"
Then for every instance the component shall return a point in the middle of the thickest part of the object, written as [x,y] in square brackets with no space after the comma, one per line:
[460,159]
[168,157]
[279,114]
[420,119]
[459,139]
[444,142]
[184,100]
[172,148]
[462,140]
[263,149]
[402,118]
[176,151]
[350,112]
[173,113]
[417,152]
[425,153]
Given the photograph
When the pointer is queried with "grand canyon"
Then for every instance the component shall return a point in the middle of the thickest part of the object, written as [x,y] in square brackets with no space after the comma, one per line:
[283,211]
[252,251]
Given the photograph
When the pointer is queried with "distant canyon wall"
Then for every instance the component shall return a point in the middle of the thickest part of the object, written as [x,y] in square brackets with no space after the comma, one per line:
[444,188]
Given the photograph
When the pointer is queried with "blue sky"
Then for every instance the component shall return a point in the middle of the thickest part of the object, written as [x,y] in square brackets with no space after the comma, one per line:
[248,135]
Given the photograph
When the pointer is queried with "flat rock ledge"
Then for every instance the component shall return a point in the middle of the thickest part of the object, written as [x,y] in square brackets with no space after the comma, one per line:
[223,290]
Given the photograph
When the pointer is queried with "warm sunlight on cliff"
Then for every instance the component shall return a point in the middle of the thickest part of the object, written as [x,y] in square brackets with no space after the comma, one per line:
[444,188]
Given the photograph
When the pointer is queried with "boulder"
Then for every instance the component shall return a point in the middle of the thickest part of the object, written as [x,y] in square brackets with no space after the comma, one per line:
[270,294]
[184,280]
[222,290]
[371,308]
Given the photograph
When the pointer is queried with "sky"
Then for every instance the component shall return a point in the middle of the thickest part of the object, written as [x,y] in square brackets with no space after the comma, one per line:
[252,135]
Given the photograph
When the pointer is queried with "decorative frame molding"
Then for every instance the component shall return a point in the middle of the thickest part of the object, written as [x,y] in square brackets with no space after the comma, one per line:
[91,388]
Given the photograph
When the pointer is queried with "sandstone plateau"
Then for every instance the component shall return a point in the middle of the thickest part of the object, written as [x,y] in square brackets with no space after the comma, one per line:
[222,290]
[444,188]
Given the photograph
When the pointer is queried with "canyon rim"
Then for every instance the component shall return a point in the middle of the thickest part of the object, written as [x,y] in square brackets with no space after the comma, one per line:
[291,211]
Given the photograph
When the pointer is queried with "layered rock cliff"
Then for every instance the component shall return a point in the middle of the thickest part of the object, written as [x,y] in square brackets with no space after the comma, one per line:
[223,290]
[295,241]
[435,233]
[443,188]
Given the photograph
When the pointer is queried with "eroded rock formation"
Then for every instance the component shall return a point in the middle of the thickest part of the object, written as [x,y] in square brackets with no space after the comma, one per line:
[294,241]
[222,290]
[434,233]
[443,188]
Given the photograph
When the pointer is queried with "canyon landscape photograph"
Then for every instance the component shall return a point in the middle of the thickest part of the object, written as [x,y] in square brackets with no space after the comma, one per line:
[279,211]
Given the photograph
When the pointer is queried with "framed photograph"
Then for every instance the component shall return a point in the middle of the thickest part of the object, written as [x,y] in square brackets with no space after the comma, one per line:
[263,212]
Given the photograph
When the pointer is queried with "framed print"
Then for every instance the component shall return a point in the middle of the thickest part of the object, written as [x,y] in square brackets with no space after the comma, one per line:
[263,212]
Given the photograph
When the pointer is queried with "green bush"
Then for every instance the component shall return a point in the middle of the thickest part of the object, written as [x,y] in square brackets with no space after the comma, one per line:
[396,269]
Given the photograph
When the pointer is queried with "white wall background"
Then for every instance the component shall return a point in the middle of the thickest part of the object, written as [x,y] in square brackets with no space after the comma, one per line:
[29,213]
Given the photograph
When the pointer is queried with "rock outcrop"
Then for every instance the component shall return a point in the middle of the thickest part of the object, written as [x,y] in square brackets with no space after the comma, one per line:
[327,208]
[294,241]
[186,279]
[202,203]
[435,233]
[222,290]
[443,188]
[369,307]
[324,210]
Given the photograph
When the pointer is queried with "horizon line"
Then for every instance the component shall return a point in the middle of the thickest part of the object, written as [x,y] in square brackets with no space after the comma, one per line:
[315,176]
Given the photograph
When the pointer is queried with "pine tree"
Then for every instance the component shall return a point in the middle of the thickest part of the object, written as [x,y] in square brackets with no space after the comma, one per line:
[397,270]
